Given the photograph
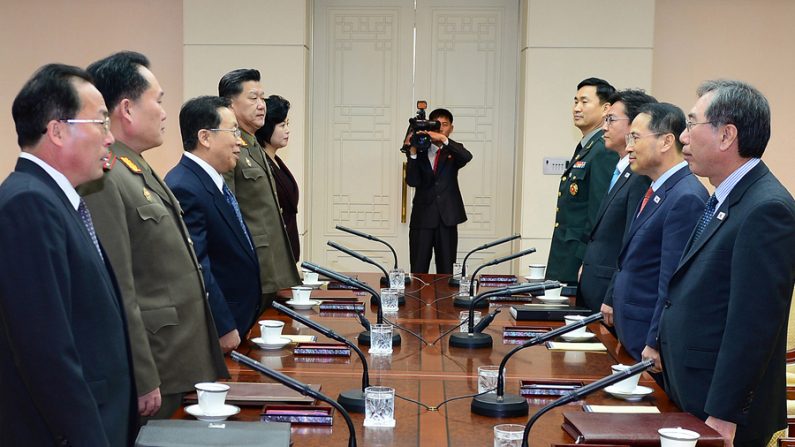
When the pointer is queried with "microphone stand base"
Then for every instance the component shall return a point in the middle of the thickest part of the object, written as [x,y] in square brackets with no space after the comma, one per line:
[352,401]
[364,338]
[470,341]
[453,281]
[460,301]
[511,405]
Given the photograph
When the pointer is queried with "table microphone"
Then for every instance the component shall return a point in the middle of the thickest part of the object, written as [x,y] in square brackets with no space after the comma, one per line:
[364,337]
[363,258]
[385,279]
[460,301]
[502,405]
[302,388]
[351,400]
[579,393]
[473,338]
[455,282]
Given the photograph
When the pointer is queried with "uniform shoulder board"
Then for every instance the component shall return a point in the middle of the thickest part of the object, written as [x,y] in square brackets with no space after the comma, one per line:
[130,165]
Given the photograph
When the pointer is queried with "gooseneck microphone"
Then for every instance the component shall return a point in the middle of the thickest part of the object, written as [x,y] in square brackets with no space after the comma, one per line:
[473,338]
[455,282]
[511,405]
[461,301]
[351,400]
[364,337]
[363,258]
[385,279]
[579,393]
[297,386]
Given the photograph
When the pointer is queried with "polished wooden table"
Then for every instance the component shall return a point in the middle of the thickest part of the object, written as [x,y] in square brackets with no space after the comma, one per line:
[431,372]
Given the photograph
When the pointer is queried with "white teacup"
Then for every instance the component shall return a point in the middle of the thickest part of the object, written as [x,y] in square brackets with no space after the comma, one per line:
[301,294]
[310,277]
[677,437]
[211,397]
[629,384]
[569,319]
[271,330]
[553,293]
[537,271]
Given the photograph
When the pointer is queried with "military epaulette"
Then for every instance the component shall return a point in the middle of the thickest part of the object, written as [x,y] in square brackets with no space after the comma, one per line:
[131,165]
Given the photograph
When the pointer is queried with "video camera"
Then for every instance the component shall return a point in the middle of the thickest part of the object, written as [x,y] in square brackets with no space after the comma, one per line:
[421,141]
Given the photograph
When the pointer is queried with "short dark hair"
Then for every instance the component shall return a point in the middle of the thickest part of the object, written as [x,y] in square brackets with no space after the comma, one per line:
[197,114]
[231,84]
[118,77]
[740,104]
[277,108]
[444,113]
[50,94]
[632,99]
[603,88]
[665,118]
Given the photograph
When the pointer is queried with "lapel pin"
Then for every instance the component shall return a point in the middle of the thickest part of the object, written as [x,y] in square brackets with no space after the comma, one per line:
[656,199]
[721,215]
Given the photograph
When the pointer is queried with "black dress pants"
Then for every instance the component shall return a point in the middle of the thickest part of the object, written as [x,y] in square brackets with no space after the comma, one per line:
[441,241]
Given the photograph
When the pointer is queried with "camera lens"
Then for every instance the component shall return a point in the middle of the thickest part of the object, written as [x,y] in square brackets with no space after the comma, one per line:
[421,141]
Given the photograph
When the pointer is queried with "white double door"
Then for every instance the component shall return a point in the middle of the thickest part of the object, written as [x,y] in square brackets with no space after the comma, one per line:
[369,70]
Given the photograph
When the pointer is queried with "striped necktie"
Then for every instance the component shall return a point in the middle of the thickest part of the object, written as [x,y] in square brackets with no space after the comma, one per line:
[230,199]
[85,216]
[706,218]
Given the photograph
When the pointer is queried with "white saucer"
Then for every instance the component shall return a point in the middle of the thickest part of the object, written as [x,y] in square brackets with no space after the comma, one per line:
[532,279]
[636,394]
[303,305]
[282,342]
[226,411]
[314,285]
[553,299]
[578,337]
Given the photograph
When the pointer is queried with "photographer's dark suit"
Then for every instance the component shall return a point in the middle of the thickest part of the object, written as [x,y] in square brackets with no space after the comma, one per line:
[437,207]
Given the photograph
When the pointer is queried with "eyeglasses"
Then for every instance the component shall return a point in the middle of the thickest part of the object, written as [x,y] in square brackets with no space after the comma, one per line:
[235,131]
[610,119]
[689,124]
[105,123]
[632,138]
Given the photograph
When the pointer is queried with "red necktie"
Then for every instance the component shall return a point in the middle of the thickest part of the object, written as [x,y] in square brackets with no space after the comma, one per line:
[649,192]
[436,160]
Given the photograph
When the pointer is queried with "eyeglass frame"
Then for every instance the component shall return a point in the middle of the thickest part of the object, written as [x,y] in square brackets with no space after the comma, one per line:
[105,123]
[235,131]
[689,124]
[610,119]
[634,139]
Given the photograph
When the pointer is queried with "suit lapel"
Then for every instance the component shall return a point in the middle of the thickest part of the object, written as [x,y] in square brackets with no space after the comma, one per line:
[623,179]
[656,200]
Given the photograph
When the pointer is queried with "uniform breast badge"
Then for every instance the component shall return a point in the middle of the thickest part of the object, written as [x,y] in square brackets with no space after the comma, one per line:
[248,162]
[147,195]
[574,189]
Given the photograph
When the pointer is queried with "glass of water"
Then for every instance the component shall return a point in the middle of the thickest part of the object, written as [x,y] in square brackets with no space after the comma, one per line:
[457,267]
[379,406]
[463,287]
[508,435]
[389,300]
[397,279]
[463,316]
[380,338]
[487,378]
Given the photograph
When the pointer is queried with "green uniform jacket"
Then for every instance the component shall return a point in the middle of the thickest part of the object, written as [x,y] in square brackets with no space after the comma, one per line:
[582,189]
[172,334]
[252,183]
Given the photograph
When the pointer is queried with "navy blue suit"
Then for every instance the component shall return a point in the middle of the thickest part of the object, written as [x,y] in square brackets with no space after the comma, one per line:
[723,332]
[229,264]
[652,248]
[65,364]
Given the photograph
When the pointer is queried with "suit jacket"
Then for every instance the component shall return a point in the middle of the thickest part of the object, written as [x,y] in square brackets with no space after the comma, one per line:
[65,359]
[253,186]
[724,328]
[652,248]
[582,188]
[604,243]
[174,341]
[437,197]
[230,266]
[287,193]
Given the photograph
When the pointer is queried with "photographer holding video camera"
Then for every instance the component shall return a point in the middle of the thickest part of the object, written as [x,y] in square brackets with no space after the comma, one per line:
[433,161]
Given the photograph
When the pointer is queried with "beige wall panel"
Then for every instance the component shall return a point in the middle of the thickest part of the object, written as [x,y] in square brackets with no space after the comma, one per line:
[590,23]
[37,32]
[743,39]
[264,22]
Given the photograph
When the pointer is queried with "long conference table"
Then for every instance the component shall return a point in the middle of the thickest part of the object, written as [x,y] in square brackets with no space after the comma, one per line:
[433,372]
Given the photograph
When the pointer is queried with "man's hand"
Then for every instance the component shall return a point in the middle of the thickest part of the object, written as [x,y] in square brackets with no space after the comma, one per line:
[607,311]
[652,354]
[149,403]
[725,428]
[407,142]
[437,138]
[230,341]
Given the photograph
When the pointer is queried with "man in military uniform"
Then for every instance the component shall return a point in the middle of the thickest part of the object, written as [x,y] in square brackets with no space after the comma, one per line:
[138,220]
[253,186]
[583,184]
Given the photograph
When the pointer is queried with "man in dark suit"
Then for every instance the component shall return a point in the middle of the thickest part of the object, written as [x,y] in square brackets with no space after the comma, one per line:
[174,341]
[724,327]
[211,139]
[65,360]
[583,184]
[656,237]
[618,207]
[437,207]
